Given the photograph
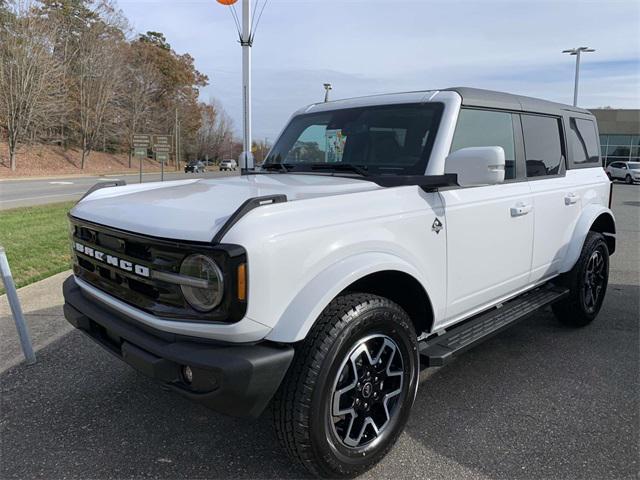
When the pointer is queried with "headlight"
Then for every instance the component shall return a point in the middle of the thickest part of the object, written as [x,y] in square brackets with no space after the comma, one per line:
[205,292]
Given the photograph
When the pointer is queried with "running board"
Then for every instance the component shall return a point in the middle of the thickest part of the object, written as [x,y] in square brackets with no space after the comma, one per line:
[439,350]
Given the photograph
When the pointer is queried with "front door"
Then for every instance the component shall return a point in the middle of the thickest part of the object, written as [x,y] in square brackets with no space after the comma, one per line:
[489,229]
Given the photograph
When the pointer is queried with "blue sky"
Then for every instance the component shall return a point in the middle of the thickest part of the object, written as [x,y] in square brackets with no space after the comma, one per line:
[372,46]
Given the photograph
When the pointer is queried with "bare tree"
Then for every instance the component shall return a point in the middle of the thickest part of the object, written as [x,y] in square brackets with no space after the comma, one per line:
[215,135]
[29,75]
[97,79]
[142,84]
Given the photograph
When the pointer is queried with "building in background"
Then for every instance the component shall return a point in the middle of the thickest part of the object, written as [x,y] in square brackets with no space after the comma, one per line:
[619,134]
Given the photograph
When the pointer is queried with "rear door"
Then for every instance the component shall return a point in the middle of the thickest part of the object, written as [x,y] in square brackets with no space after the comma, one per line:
[556,198]
[490,228]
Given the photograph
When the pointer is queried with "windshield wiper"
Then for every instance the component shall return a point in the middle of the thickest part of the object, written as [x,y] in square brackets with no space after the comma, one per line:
[350,167]
[284,167]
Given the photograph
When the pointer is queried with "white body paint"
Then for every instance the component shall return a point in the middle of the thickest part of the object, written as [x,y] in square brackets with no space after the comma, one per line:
[496,241]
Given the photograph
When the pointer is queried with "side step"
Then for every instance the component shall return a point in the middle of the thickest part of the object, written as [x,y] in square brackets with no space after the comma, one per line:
[439,350]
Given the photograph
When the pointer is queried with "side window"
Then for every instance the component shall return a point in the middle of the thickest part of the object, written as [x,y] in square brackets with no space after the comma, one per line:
[485,128]
[583,141]
[542,145]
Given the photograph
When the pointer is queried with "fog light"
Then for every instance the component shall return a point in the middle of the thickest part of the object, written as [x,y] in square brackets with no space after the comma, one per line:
[187,374]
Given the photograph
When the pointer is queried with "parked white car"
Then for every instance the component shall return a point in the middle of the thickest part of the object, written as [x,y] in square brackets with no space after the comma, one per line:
[381,233]
[627,171]
[229,164]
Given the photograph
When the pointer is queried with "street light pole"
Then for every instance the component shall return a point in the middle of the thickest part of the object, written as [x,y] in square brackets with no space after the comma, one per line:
[577,52]
[246,41]
[327,87]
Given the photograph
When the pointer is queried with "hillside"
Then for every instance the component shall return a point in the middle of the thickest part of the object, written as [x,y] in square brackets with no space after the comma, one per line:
[47,160]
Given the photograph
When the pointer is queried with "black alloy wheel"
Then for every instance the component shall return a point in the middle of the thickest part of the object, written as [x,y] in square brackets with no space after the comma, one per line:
[367,391]
[587,282]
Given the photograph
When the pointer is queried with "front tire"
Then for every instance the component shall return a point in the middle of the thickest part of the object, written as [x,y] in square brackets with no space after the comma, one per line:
[628,180]
[350,389]
[587,282]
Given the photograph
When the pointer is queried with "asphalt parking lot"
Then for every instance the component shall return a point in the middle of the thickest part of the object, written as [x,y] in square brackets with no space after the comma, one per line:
[538,401]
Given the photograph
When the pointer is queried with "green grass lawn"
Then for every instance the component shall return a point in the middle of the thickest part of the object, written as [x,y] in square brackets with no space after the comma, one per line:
[36,240]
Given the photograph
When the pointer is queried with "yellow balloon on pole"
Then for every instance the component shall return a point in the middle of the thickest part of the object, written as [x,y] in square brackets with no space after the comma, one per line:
[227,2]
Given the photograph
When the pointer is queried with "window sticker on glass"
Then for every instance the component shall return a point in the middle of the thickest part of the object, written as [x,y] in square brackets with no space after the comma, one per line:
[335,141]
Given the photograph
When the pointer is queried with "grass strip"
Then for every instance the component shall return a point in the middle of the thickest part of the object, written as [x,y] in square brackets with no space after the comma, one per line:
[36,240]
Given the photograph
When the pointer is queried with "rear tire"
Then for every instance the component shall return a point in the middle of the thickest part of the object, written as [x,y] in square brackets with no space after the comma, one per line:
[587,282]
[350,389]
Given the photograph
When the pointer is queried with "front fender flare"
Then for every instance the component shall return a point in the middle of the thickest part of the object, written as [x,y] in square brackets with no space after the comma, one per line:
[305,308]
[586,220]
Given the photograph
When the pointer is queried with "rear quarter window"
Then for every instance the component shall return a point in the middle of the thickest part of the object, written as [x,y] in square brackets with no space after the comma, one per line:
[583,142]
[543,145]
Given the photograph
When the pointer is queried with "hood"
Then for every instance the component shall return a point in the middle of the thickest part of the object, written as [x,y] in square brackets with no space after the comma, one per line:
[196,209]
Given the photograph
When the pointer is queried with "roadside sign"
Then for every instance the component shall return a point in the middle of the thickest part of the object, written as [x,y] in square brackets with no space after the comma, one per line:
[162,143]
[141,140]
[140,152]
[162,157]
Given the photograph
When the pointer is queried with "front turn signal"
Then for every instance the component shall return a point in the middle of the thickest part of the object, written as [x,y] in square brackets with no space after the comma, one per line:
[242,282]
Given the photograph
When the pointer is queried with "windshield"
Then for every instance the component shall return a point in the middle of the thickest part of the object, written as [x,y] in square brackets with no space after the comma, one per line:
[381,139]
[634,165]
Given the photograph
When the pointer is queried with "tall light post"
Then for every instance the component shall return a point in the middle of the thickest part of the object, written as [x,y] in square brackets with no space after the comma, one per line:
[577,51]
[246,40]
[246,33]
[327,87]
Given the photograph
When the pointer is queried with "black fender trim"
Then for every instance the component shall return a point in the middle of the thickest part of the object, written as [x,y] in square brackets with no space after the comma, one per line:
[245,208]
[98,186]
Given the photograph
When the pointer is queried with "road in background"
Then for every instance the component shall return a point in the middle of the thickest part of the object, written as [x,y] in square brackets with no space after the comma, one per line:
[24,193]
[539,400]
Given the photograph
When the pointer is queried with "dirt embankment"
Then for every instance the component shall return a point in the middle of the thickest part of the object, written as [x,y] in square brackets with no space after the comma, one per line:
[47,160]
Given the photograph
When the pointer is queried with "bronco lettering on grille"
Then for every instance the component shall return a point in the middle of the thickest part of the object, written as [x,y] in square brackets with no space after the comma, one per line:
[113,261]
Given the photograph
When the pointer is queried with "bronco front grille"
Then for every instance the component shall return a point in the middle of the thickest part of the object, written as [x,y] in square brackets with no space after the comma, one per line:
[142,256]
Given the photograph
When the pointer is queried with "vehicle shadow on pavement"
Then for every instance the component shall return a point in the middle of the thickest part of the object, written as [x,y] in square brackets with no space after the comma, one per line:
[539,400]
[81,413]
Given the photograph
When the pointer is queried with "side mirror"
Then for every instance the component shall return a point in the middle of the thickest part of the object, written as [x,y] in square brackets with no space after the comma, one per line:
[477,166]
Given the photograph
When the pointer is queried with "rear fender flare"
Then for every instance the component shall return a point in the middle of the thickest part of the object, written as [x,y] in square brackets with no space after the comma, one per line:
[588,217]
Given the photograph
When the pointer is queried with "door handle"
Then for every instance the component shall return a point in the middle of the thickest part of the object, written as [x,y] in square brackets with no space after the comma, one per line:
[571,199]
[521,209]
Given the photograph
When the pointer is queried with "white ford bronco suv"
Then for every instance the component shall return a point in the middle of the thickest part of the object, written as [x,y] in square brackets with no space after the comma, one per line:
[381,235]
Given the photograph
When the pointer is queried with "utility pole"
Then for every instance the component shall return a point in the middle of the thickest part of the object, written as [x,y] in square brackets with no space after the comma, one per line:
[577,51]
[176,129]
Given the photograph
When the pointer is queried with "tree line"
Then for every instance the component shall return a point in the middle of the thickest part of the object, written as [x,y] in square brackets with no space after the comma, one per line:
[73,74]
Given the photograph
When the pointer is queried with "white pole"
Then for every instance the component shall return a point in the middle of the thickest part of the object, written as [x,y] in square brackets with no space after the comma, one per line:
[575,87]
[246,161]
[16,309]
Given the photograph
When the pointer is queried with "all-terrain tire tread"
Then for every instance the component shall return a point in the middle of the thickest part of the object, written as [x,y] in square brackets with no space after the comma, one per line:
[569,311]
[292,403]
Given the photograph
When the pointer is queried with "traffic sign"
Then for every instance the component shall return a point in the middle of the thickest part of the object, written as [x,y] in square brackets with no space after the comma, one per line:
[140,152]
[162,143]
[162,157]
[141,141]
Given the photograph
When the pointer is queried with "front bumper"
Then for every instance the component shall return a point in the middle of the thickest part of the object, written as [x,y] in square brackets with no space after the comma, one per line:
[237,380]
